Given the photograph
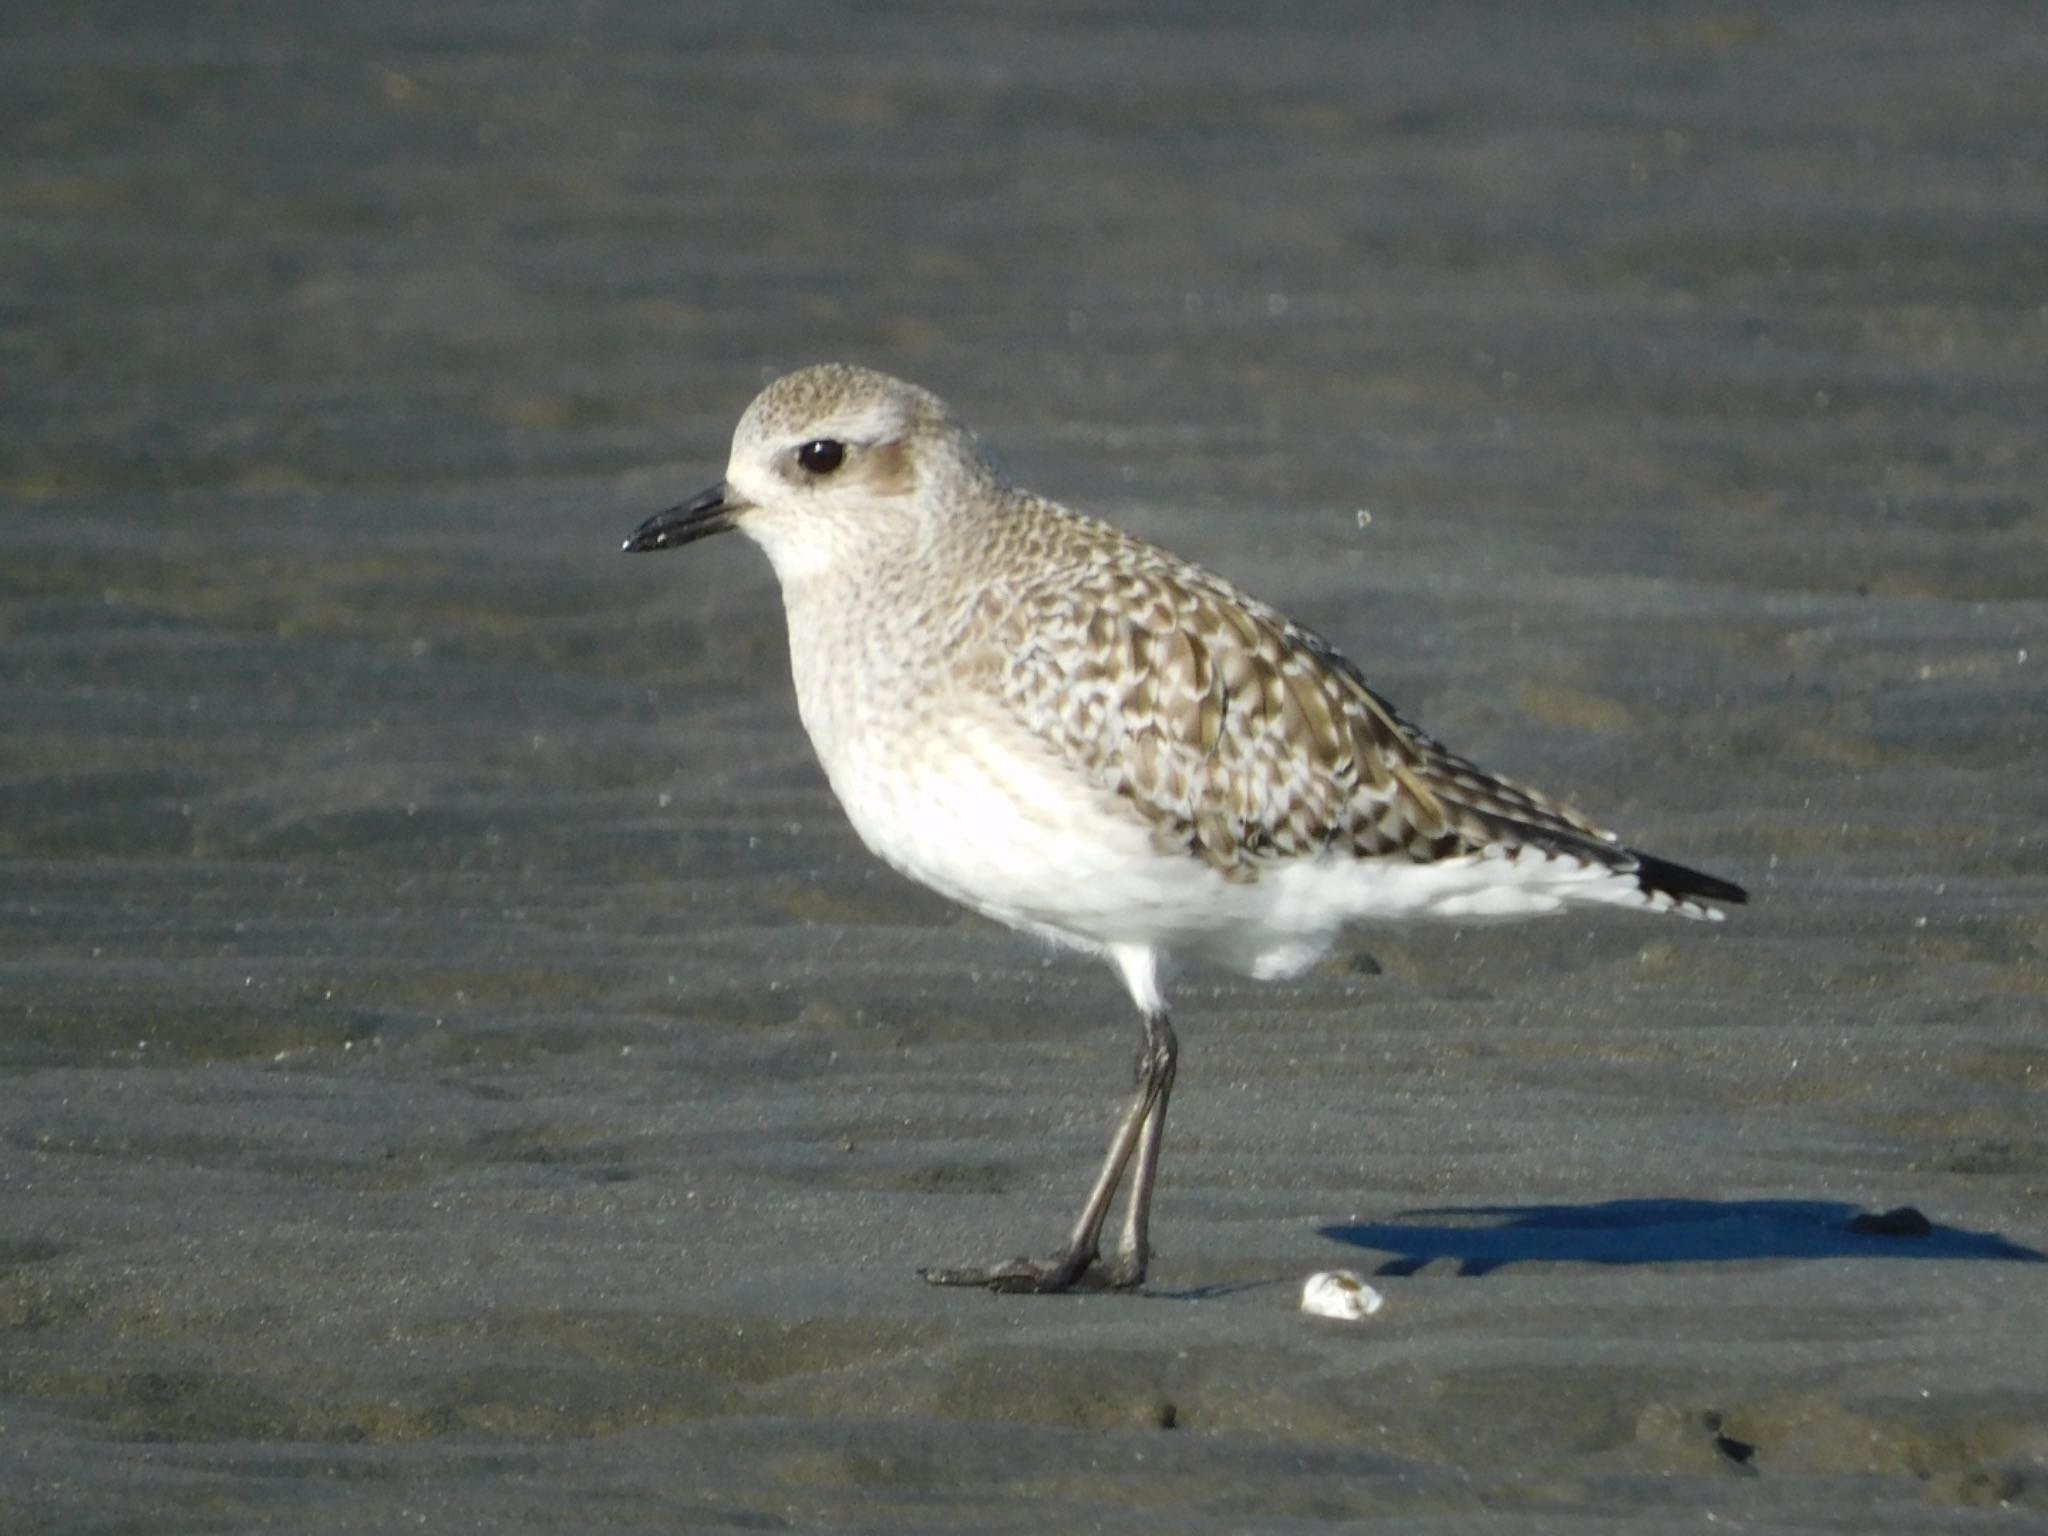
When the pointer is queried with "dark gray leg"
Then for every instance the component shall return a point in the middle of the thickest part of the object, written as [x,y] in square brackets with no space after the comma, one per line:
[1138,1132]
[1162,1052]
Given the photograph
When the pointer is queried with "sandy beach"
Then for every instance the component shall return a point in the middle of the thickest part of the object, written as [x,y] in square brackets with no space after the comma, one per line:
[458,1069]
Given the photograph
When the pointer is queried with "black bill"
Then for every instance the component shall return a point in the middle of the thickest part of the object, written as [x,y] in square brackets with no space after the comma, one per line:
[704,514]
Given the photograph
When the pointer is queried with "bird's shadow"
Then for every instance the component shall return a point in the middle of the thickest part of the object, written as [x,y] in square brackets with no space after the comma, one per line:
[1482,1238]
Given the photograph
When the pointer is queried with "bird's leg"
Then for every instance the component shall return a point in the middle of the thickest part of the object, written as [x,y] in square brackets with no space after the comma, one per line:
[1156,1064]
[1138,1132]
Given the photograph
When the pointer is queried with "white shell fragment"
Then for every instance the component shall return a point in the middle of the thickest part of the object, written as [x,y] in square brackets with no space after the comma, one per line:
[1342,1294]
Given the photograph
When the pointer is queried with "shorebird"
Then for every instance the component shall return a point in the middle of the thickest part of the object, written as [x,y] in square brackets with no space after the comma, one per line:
[1087,738]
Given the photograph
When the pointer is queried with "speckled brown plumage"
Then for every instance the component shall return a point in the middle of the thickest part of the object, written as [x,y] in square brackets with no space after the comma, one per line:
[1242,737]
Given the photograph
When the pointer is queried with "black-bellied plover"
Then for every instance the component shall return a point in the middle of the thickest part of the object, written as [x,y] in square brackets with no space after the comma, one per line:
[1087,738]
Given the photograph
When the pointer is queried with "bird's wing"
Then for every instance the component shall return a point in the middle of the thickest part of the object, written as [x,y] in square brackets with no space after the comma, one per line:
[1244,738]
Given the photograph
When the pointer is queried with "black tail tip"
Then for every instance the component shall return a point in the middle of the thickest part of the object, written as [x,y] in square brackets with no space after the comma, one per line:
[1660,877]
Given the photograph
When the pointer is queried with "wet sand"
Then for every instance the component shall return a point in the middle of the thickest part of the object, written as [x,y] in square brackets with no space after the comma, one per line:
[459,1071]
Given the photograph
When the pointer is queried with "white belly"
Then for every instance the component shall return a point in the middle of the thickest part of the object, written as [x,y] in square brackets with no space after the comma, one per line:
[1010,834]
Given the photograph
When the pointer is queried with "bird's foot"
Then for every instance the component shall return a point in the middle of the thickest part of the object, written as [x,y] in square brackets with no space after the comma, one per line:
[1127,1273]
[1061,1272]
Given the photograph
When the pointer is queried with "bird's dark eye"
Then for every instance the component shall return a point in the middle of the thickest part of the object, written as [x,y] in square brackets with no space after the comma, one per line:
[821,455]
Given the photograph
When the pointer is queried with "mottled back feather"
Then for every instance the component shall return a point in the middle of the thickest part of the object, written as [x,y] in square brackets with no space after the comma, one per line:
[1242,737]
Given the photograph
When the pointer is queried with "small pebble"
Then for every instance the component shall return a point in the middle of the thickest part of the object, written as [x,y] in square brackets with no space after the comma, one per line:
[1341,1294]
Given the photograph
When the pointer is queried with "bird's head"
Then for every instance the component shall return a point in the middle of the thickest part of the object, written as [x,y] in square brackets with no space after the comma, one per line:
[828,460]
